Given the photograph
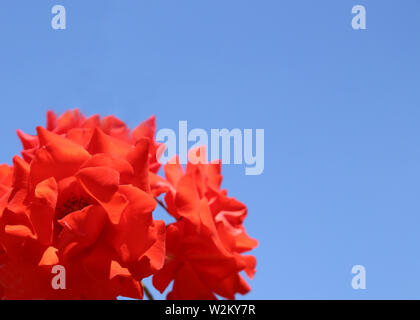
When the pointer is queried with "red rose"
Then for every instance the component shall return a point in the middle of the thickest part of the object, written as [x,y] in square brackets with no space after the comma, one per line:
[205,245]
[85,205]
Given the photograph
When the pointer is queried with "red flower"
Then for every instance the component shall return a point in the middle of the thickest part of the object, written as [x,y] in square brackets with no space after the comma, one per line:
[83,201]
[205,245]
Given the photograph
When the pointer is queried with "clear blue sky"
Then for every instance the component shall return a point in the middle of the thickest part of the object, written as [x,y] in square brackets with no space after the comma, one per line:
[340,109]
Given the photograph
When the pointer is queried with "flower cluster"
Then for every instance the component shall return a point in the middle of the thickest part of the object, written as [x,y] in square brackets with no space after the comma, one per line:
[83,196]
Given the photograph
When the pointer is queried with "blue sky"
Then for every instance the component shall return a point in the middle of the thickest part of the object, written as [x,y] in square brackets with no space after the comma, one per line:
[340,109]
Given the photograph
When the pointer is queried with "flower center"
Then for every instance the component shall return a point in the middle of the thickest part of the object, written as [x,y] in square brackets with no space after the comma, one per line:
[72,204]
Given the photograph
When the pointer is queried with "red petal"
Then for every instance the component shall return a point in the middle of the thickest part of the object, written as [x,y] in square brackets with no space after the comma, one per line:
[81,136]
[106,160]
[139,159]
[133,235]
[68,120]
[20,173]
[103,143]
[51,120]
[83,227]
[158,185]
[173,171]
[187,199]
[154,258]
[115,128]
[59,158]
[163,277]
[49,258]
[146,129]
[42,210]
[188,286]
[101,183]
[28,141]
